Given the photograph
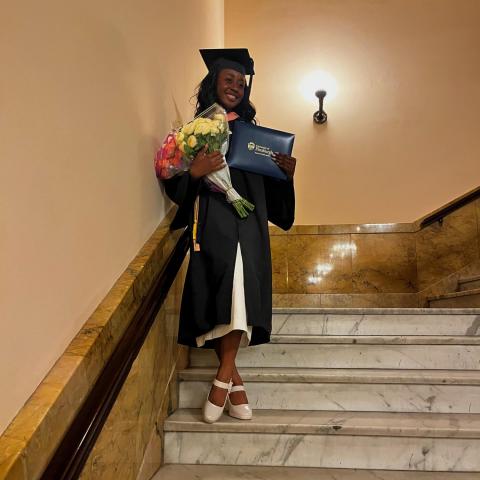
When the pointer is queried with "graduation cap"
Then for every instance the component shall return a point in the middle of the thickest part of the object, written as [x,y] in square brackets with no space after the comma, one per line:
[237,59]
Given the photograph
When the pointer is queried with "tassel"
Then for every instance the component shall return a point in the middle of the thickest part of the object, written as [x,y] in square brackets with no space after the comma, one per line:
[196,246]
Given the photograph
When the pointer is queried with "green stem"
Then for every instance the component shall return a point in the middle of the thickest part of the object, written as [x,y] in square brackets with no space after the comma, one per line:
[241,207]
[248,205]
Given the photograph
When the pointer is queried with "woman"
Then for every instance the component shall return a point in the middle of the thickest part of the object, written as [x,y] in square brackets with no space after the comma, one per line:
[227,297]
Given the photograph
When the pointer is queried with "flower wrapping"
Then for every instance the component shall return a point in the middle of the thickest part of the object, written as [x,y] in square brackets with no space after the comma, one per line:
[181,146]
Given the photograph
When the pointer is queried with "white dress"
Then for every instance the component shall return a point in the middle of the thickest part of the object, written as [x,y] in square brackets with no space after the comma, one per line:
[238,320]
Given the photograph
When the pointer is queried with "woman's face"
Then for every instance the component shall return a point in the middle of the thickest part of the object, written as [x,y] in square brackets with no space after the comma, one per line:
[230,88]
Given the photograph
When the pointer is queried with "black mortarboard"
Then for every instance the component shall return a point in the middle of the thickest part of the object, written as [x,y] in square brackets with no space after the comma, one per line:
[235,58]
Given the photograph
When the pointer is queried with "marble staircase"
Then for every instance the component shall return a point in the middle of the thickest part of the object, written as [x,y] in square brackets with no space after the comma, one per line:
[466,295]
[341,394]
[469,283]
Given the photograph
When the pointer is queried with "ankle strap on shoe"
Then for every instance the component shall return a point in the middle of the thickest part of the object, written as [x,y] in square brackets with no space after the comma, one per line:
[237,388]
[223,385]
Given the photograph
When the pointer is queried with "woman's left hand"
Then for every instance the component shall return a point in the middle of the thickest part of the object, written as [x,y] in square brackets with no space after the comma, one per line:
[286,163]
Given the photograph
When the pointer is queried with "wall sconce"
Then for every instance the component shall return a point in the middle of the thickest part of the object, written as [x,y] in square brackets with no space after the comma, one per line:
[319,82]
[320,116]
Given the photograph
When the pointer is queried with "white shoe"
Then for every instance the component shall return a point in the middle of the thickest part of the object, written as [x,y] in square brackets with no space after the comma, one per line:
[212,412]
[242,411]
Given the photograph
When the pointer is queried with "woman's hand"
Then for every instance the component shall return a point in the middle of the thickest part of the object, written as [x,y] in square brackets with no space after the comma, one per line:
[205,163]
[286,163]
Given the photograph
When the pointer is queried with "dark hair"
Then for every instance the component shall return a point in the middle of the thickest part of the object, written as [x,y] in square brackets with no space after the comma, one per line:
[207,95]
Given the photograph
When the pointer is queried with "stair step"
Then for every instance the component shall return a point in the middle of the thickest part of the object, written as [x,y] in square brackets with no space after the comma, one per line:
[228,472]
[370,440]
[469,283]
[310,422]
[304,355]
[379,321]
[343,375]
[466,298]
[378,339]
[346,390]
[377,310]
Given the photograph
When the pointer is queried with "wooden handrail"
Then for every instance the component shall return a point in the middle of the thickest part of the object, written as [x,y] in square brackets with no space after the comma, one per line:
[69,459]
[441,214]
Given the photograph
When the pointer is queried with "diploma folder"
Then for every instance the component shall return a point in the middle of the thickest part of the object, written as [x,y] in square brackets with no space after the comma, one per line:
[251,147]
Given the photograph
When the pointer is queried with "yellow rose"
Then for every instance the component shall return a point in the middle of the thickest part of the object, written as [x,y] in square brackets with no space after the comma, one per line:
[214,131]
[181,147]
[206,129]
[202,128]
[220,117]
[180,137]
[188,129]
[192,141]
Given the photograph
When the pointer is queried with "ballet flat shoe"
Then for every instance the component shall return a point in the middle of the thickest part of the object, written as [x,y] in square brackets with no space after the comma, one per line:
[242,411]
[212,412]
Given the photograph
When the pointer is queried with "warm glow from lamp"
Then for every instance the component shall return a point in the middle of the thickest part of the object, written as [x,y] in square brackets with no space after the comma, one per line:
[318,80]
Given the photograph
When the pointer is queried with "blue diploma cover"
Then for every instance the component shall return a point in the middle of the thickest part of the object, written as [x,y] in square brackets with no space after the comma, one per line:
[251,148]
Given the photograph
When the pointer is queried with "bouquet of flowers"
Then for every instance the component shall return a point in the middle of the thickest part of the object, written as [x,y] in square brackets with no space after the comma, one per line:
[182,145]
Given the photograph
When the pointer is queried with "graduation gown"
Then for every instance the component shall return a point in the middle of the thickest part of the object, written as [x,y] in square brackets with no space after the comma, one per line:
[207,293]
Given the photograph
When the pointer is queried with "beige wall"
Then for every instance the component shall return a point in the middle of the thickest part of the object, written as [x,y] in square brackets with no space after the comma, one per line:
[87,89]
[402,136]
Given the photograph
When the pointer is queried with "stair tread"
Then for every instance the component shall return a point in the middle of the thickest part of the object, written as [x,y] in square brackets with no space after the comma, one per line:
[472,278]
[342,375]
[305,422]
[378,311]
[463,293]
[380,339]
[234,472]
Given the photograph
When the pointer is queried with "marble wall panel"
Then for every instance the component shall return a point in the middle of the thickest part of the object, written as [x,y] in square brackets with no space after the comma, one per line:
[278,246]
[477,207]
[304,230]
[41,422]
[340,300]
[446,248]
[273,230]
[373,266]
[315,264]
[152,458]
[389,263]
[384,263]
[369,300]
[345,228]
[299,300]
[12,462]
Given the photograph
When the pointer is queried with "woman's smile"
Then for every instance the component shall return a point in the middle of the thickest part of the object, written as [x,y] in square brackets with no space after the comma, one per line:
[232,96]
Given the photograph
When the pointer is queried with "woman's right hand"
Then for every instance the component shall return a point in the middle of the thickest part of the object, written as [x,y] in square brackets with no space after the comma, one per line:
[205,163]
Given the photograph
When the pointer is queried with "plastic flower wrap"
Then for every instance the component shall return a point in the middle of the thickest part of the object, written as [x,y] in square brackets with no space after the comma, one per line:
[181,146]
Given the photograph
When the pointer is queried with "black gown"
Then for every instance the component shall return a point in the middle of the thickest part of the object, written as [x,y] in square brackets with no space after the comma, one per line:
[207,293]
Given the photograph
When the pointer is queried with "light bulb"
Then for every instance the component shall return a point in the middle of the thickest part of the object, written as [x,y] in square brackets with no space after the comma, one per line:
[318,80]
